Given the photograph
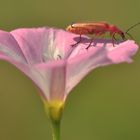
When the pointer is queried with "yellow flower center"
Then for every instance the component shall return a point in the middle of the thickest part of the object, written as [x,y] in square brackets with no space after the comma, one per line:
[54,109]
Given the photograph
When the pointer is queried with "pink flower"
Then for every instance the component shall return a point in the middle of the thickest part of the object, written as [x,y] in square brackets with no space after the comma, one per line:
[46,56]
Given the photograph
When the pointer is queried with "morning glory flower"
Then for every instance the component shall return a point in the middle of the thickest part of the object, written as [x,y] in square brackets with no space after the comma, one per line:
[47,57]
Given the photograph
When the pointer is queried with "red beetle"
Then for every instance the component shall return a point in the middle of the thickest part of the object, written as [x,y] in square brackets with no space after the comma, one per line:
[97,29]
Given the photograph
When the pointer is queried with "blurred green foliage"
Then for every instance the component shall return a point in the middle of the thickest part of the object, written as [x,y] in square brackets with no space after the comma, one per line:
[104,106]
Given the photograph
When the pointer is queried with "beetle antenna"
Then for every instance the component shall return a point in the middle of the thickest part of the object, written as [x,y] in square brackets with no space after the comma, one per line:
[131,28]
[129,35]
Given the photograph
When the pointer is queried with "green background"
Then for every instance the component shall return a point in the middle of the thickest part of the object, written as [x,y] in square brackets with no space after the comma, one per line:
[104,106]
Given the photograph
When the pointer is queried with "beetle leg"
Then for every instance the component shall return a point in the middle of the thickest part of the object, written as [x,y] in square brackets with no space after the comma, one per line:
[80,38]
[113,39]
[90,43]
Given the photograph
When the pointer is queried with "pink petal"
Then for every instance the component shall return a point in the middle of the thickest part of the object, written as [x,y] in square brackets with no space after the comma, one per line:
[123,52]
[42,44]
[10,48]
[31,43]
[82,62]
[51,77]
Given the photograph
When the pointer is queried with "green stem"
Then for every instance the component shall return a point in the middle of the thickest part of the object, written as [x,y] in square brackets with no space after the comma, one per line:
[54,110]
[56,130]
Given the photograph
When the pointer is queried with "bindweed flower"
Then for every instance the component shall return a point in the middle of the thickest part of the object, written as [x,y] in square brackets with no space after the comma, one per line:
[46,56]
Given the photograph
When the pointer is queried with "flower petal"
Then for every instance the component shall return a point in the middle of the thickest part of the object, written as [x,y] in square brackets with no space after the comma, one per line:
[123,52]
[31,43]
[84,61]
[10,48]
[43,44]
[51,78]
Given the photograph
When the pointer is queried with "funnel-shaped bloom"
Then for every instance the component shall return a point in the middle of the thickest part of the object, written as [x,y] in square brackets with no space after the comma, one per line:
[46,56]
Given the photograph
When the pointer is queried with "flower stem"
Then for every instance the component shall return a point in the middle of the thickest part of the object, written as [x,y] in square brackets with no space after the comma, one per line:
[54,109]
[56,129]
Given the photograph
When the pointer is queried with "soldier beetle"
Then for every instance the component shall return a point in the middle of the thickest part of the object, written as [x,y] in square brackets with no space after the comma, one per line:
[97,29]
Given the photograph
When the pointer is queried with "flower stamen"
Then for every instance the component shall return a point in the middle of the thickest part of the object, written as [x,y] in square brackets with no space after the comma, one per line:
[59,57]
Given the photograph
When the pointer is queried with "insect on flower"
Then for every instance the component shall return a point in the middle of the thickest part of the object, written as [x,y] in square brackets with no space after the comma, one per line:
[97,29]
[45,55]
